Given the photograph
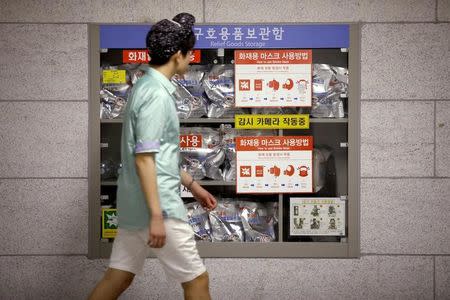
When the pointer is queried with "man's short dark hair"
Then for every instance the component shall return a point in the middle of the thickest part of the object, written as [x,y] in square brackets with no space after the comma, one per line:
[167,37]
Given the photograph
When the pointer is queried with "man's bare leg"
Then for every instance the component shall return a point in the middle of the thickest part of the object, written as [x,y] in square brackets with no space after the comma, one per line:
[112,285]
[197,288]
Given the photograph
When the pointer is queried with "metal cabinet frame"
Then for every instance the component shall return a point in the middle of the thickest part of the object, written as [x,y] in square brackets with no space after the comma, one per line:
[348,248]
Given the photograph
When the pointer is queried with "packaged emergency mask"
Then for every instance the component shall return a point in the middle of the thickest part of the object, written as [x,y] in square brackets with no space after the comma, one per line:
[226,224]
[198,219]
[132,73]
[184,101]
[341,74]
[111,106]
[135,71]
[257,222]
[109,169]
[219,87]
[327,105]
[201,152]
[189,95]
[329,83]
[321,154]
[113,96]
[322,76]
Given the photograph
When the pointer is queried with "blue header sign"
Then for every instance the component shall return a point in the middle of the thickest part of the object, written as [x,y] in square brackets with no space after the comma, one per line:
[237,36]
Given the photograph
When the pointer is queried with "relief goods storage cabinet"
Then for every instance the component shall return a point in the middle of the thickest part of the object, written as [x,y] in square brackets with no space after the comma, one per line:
[262,85]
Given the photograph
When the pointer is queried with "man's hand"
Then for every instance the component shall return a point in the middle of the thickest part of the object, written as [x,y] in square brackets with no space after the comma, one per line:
[156,232]
[207,201]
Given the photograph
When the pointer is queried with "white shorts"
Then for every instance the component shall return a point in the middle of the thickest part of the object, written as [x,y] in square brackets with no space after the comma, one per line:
[179,256]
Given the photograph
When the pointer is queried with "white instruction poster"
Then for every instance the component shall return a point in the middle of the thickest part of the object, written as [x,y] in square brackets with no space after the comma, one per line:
[273,78]
[274,164]
[317,216]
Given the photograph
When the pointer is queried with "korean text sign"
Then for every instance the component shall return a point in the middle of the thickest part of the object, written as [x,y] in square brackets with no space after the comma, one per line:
[274,164]
[264,121]
[141,56]
[273,78]
[262,36]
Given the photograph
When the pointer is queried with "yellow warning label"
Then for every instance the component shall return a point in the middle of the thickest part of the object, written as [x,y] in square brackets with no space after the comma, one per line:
[271,121]
[114,76]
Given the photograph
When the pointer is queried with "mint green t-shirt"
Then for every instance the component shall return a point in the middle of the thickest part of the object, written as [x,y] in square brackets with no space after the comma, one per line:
[150,125]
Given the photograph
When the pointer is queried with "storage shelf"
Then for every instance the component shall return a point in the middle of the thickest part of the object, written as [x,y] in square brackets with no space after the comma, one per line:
[108,183]
[201,182]
[219,121]
[109,121]
[243,249]
[328,120]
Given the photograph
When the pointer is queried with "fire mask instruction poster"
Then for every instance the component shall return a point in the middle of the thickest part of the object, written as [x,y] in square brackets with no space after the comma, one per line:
[273,78]
[274,164]
[317,216]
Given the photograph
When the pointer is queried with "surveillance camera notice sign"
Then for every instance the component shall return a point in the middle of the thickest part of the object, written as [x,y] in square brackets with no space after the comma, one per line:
[273,78]
[274,164]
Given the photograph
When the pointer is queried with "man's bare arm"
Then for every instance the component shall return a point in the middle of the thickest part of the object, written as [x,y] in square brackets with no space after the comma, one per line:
[146,170]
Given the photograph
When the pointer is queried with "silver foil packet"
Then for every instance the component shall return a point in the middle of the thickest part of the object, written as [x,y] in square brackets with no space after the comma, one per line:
[114,96]
[226,224]
[219,87]
[111,106]
[329,83]
[190,93]
[199,221]
[133,73]
[109,169]
[257,222]
[321,154]
[201,152]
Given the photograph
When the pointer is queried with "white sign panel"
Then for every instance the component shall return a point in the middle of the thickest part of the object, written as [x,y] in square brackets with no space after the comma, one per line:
[274,164]
[317,216]
[273,78]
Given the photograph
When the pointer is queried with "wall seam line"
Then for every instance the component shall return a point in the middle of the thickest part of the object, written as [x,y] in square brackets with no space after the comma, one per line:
[436,11]
[204,259]
[43,255]
[45,178]
[403,254]
[406,22]
[434,278]
[227,22]
[34,100]
[204,11]
[405,177]
[434,137]
[404,100]
[50,23]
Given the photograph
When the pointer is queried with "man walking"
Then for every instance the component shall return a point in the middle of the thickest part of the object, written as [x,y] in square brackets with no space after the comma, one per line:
[150,209]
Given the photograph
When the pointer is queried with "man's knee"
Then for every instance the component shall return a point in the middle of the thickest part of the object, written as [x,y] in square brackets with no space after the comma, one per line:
[119,278]
[200,281]
[204,277]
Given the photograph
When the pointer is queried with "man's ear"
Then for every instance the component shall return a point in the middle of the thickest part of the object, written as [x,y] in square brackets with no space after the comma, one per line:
[178,55]
[175,57]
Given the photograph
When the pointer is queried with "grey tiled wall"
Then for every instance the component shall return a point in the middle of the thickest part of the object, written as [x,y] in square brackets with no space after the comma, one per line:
[397,138]
[405,156]
[405,61]
[88,11]
[320,11]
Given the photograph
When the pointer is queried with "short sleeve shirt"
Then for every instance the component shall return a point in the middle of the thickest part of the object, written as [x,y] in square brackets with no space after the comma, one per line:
[150,125]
